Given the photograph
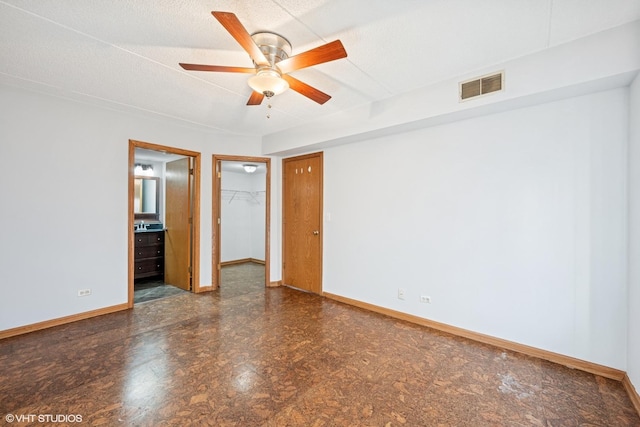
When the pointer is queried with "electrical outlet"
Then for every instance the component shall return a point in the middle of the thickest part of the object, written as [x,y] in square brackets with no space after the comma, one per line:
[425,299]
[84,292]
[400,293]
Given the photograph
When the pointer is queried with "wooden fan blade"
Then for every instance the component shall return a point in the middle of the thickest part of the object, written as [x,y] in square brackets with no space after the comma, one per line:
[304,89]
[255,98]
[201,67]
[231,23]
[325,53]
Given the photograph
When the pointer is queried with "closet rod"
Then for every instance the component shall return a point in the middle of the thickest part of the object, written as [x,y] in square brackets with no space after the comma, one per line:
[252,194]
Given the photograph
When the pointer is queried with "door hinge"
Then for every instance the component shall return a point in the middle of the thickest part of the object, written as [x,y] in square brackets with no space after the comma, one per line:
[219,267]
[218,221]
[190,171]
[191,220]
[219,174]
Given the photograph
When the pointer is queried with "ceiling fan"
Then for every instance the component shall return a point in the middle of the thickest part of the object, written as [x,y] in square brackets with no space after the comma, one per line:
[272,63]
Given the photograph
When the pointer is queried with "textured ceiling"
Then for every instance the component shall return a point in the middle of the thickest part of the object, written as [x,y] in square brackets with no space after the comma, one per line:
[124,54]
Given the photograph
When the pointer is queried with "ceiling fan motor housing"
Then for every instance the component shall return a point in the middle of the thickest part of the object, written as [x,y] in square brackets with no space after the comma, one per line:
[274,47]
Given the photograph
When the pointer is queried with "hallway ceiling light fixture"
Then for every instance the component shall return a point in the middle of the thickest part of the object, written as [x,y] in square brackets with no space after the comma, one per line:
[140,169]
[250,168]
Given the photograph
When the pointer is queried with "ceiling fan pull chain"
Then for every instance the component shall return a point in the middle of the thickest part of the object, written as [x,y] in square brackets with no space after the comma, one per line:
[269,110]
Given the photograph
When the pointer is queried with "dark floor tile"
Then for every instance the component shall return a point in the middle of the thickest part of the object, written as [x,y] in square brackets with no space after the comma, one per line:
[154,289]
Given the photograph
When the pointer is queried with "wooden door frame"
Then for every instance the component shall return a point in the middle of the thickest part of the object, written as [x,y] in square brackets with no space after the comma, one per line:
[216,212]
[319,154]
[195,242]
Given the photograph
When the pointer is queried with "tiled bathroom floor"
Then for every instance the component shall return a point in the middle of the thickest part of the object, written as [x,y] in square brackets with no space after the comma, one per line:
[149,290]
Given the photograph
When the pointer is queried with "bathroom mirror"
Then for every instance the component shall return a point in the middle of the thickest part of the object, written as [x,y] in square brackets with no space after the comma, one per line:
[146,197]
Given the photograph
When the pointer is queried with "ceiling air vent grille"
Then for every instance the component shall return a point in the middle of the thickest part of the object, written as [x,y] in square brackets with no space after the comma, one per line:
[481,86]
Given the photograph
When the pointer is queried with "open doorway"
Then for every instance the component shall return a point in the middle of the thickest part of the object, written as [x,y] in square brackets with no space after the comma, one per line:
[241,218]
[164,202]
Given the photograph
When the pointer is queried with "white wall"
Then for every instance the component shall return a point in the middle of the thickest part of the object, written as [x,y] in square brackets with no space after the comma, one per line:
[513,223]
[235,218]
[633,358]
[258,216]
[63,192]
[243,216]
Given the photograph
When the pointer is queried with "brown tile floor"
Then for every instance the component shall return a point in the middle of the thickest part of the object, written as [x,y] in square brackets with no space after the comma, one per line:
[246,356]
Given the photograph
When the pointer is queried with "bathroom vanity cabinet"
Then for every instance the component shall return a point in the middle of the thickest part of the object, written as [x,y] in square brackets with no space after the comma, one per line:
[149,254]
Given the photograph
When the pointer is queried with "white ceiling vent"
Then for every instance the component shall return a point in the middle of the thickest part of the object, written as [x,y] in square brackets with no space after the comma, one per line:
[481,86]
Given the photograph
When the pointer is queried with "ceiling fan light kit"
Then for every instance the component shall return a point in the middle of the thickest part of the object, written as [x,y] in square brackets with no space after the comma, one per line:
[271,56]
[268,82]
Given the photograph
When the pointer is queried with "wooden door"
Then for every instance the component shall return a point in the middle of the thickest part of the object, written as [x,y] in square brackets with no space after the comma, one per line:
[178,236]
[302,222]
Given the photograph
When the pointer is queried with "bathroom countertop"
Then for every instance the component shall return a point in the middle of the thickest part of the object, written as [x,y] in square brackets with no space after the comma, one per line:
[148,231]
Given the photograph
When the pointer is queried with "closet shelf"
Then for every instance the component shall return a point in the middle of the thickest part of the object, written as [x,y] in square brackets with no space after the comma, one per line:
[242,195]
